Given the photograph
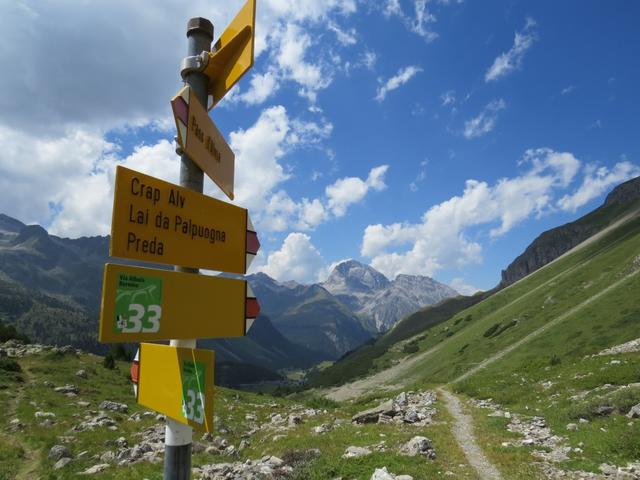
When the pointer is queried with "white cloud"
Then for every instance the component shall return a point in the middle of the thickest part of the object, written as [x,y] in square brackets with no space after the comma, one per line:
[422,175]
[448,98]
[298,259]
[568,90]
[511,60]
[403,76]
[442,239]
[348,37]
[419,23]
[596,181]
[463,287]
[261,87]
[485,121]
[349,190]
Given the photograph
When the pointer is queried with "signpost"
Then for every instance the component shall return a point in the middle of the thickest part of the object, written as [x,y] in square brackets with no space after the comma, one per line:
[233,54]
[177,382]
[201,140]
[143,304]
[157,221]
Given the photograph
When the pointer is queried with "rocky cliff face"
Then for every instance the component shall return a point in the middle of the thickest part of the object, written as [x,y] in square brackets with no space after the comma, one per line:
[553,243]
[381,301]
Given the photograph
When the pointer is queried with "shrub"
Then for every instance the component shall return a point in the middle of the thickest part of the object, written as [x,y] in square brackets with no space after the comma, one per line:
[411,347]
[512,323]
[458,320]
[109,362]
[120,353]
[322,403]
[463,348]
[450,333]
[492,330]
[468,318]
[555,360]
[9,365]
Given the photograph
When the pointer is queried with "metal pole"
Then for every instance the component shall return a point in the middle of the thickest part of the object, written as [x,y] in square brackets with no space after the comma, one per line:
[178,437]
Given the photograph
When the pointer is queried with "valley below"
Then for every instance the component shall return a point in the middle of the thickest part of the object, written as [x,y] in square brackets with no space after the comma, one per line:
[537,379]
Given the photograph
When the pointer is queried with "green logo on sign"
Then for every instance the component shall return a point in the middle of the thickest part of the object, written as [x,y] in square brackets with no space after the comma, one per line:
[138,304]
[193,375]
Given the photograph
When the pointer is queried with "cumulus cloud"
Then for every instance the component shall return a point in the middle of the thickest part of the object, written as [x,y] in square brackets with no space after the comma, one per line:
[349,190]
[485,121]
[403,76]
[511,60]
[596,181]
[442,240]
[298,259]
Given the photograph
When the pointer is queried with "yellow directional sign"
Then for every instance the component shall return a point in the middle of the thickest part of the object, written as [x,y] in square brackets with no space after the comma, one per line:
[177,382]
[233,54]
[201,140]
[159,222]
[144,304]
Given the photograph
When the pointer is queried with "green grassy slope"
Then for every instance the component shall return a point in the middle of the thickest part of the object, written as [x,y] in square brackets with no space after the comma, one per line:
[23,452]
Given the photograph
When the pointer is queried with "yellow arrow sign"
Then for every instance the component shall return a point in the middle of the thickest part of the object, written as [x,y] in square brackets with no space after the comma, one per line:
[177,382]
[159,222]
[143,304]
[201,140]
[233,54]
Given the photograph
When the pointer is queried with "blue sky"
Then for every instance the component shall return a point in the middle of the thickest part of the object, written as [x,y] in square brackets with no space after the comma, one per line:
[423,137]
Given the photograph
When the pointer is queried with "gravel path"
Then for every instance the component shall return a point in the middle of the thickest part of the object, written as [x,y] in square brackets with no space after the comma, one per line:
[463,432]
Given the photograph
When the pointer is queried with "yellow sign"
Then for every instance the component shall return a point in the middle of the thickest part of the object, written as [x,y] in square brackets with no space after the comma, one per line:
[201,140]
[143,304]
[233,54]
[159,222]
[177,382]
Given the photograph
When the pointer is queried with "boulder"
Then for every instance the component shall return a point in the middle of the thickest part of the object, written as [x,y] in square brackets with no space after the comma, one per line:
[634,412]
[355,452]
[63,462]
[114,406]
[372,415]
[418,446]
[59,451]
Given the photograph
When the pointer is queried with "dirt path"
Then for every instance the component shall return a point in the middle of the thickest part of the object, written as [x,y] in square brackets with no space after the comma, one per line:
[463,432]
[380,380]
[544,328]
[31,461]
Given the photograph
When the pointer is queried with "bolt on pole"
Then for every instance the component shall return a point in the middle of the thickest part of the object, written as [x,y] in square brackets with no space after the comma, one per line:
[178,437]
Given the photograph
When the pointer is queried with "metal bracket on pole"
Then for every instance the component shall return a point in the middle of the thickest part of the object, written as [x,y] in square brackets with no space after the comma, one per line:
[195,63]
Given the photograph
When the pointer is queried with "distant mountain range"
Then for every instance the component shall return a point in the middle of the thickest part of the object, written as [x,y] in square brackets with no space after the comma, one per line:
[50,290]
[379,301]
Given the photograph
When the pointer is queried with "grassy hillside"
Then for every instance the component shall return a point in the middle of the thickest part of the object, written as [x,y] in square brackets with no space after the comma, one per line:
[532,348]
[257,422]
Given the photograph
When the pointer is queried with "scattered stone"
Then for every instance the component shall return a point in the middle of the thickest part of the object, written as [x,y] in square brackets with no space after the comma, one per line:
[384,474]
[632,346]
[355,452]
[324,428]
[604,410]
[59,451]
[294,420]
[82,373]
[63,462]
[95,469]
[93,422]
[634,412]
[83,404]
[45,415]
[114,406]
[419,446]
[68,388]
[572,427]
[415,408]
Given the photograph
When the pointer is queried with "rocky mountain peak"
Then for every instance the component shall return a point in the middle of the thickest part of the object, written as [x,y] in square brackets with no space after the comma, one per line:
[353,276]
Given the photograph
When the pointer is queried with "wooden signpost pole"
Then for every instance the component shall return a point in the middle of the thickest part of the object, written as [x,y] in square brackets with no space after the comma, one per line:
[178,437]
